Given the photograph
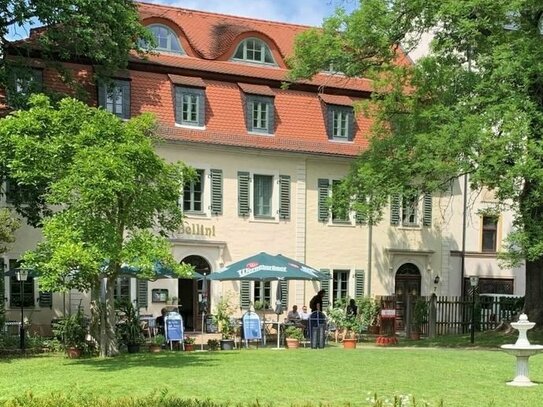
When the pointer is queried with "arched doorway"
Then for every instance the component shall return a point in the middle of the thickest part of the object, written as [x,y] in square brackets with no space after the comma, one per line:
[407,282]
[190,293]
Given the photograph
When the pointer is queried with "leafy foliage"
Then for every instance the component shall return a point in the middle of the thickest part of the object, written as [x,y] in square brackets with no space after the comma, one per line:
[224,311]
[473,106]
[129,328]
[72,330]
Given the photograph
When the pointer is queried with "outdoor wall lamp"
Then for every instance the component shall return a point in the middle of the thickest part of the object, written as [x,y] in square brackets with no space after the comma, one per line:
[436,280]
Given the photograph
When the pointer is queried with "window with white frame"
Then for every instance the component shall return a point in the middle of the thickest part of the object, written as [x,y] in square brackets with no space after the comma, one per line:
[166,40]
[340,122]
[254,50]
[122,289]
[114,96]
[190,106]
[406,210]
[489,233]
[21,84]
[337,213]
[262,195]
[260,114]
[193,194]
[340,285]
[266,196]
[21,293]
[262,292]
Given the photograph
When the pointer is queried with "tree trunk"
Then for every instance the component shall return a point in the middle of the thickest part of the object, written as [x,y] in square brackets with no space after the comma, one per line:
[104,319]
[533,305]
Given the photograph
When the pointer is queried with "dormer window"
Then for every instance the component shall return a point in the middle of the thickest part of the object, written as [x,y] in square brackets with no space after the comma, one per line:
[166,40]
[254,50]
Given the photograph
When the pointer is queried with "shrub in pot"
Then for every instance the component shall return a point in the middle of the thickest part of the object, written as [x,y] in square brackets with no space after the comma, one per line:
[188,343]
[155,345]
[293,337]
[224,311]
[129,329]
[72,332]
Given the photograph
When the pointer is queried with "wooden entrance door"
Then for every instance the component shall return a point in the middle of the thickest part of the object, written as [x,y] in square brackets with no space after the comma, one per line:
[191,293]
[407,282]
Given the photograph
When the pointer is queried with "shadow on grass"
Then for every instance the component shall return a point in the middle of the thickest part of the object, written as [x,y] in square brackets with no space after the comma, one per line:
[164,360]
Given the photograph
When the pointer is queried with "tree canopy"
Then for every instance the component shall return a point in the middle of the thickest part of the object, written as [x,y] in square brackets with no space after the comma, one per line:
[473,105]
[112,199]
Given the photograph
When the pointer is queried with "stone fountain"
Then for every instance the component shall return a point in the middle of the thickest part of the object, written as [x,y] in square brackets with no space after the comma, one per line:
[522,350]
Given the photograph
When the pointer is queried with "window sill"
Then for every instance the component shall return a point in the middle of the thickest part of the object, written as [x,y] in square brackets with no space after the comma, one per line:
[409,227]
[190,126]
[341,224]
[341,140]
[264,219]
[260,133]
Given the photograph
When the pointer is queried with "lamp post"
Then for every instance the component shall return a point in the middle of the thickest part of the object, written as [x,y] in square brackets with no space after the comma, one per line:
[473,282]
[22,276]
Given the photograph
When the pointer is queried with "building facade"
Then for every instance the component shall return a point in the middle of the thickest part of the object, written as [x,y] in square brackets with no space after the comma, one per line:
[267,158]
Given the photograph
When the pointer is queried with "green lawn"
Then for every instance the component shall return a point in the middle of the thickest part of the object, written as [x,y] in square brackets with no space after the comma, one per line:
[460,377]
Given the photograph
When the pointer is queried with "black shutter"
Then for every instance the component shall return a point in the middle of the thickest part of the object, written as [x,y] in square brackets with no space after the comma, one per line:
[249,112]
[284,196]
[427,210]
[325,285]
[125,86]
[359,277]
[323,211]
[395,202]
[142,293]
[243,193]
[201,106]
[245,294]
[216,191]
[330,121]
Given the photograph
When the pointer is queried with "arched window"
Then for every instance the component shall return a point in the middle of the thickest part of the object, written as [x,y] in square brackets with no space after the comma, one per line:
[254,50]
[165,38]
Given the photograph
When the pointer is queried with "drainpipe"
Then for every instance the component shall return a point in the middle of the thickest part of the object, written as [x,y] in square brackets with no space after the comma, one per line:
[370,244]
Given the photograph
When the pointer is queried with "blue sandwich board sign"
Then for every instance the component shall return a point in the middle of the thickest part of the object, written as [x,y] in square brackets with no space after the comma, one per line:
[251,326]
[173,323]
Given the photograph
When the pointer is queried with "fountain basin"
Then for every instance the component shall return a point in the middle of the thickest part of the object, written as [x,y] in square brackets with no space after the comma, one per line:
[522,353]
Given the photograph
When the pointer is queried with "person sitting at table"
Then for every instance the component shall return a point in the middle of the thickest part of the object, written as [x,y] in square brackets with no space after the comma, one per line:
[304,315]
[293,316]
[160,321]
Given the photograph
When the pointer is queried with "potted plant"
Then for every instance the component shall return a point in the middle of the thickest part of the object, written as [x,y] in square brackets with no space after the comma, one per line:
[129,329]
[224,311]
[420,316]
[155,345]
[72,332]
[368,309]
[212,344]
[293,337]
[261,306]
[188,343]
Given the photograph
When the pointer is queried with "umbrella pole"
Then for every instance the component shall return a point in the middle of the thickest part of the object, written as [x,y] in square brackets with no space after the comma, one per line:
[202,340]
[278,332]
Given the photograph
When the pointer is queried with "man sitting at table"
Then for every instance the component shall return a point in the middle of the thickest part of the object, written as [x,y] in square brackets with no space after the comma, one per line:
[160,321]
[293,316]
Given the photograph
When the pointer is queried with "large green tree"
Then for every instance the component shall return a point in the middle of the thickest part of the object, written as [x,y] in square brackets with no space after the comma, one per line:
[113,199]
[8,226]
[473,106]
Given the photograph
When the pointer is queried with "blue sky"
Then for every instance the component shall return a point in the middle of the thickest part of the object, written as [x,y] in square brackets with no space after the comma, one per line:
[308,12]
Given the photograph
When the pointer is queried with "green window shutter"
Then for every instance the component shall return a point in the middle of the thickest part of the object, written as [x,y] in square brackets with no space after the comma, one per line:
[359,277]
[178,104]
[395,202]
[330,121]
[245,294]
[201,106]
[427,210]
[142,287]
[323,211]
[361,218]
[325,285]
[216,191]
[45,299]
[284,293]
[125,86]
[243,193]
[284,196]
[2,293]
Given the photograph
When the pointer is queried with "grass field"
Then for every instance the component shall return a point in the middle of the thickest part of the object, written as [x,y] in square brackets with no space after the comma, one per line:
[459,377]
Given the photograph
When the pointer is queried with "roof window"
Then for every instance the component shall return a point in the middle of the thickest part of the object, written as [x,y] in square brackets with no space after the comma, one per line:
[165,38]
[255,51]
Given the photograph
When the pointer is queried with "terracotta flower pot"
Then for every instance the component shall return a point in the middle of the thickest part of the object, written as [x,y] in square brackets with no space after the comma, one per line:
[154,348]
[292,343]
[189,347]
[349,343]
[73,353]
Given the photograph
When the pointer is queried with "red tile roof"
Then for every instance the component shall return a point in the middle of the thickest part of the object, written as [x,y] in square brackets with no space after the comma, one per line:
[256,89]
[336,99]
[187,81]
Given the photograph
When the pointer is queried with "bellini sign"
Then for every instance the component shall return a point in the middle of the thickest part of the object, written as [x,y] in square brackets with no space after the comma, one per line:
[197,229]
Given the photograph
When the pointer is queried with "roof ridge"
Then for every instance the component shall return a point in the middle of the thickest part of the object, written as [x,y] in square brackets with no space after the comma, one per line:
[171,7]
